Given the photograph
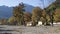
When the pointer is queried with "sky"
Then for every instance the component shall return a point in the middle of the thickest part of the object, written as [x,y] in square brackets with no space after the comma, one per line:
[40,3]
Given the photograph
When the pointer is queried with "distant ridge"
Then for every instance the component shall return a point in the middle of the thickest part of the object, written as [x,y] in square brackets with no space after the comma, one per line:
[6,12]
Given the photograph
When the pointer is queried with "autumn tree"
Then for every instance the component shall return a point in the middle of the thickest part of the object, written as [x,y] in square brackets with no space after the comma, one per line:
[50,11]
[45,17]
[12,21]
[57,15]
[3,21]
[57,11]
[27,17]
[36,14]
[18,12]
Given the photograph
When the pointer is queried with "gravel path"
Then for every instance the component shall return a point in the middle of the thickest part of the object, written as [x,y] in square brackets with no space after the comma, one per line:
[5,29]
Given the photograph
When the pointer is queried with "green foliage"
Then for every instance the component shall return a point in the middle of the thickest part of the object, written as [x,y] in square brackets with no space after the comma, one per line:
[58,6]
[18,12]
[50,12]
[53,13]
[12,21]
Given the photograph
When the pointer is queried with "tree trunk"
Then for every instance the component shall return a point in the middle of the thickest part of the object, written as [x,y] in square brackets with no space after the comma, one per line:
[52,20]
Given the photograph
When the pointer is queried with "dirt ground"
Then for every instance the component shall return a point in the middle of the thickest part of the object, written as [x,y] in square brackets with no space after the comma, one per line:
[5,29]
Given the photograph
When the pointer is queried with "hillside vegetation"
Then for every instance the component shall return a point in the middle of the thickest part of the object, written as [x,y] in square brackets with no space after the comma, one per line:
[46,15]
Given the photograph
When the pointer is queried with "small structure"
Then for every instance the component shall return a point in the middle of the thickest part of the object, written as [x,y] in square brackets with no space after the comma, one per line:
[29,24]
[39,23]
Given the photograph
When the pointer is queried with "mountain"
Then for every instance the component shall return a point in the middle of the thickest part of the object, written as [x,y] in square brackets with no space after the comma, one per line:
[28,8]
[6,12]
